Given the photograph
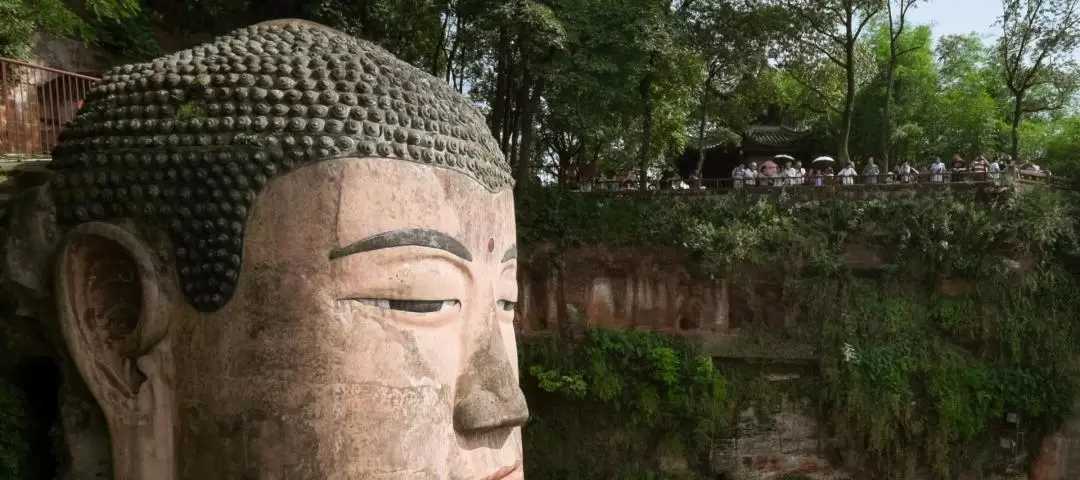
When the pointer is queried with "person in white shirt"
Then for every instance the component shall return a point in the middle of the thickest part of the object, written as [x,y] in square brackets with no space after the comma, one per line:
[737,175]
[751,174]
[994,171]
[937,169]
[790,174]
[800,173]
[907,172]
[847,174]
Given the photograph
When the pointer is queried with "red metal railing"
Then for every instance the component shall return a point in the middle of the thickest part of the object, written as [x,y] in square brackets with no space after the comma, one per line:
[36,102]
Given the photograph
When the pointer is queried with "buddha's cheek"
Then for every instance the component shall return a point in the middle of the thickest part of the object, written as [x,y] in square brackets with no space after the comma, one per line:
[360,399]
[368,429]
[384,407]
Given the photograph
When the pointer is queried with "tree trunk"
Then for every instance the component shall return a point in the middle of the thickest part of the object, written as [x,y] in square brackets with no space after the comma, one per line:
[849,99]
[645,89]
[498,104]
[523,172]
[437,54]
[701,129]
[886,112]
[513,106]
[1014,135]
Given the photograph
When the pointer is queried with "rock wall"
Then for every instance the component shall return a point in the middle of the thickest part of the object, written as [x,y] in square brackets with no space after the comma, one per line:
[72,56]
[659,291]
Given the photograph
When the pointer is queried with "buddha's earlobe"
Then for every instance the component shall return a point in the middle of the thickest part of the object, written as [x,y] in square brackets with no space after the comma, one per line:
[114,318]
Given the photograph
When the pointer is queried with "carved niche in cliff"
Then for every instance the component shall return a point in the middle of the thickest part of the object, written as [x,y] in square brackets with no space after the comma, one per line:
[282,254]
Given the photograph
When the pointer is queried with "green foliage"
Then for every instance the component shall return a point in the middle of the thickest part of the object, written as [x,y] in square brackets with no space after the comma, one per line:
[936,370]
[105,22]
[14,425]
[639,395]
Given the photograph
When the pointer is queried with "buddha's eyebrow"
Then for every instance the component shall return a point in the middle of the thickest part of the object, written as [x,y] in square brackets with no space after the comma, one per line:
[406,237]
[510,254]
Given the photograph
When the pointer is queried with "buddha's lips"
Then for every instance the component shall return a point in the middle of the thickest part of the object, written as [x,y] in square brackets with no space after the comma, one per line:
[505,472]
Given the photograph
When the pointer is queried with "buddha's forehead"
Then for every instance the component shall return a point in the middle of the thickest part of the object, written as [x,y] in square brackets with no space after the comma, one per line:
[380,195]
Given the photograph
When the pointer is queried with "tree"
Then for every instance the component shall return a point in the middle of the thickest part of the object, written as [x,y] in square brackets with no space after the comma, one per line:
[731,40]
[912,96]
[968,115]
[20,20]
[1037,39]
[830,30]
[896,16]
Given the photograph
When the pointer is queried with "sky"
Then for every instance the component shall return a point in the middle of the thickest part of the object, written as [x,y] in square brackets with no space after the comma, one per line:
[951,17]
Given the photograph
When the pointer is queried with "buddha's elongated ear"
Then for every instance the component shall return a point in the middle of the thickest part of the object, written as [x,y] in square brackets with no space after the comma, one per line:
[112,311]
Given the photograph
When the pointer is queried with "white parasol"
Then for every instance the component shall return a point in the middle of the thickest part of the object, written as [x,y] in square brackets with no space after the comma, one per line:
[784,157]
[823,160]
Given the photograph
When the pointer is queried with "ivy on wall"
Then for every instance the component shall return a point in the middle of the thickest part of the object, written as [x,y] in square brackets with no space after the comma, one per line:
[963,332]
[614,405]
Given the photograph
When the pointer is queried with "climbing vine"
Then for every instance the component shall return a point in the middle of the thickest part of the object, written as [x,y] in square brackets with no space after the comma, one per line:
[617,403]
[960,333]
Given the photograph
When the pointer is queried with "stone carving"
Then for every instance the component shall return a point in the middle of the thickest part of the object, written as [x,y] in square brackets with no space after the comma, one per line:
[284,254]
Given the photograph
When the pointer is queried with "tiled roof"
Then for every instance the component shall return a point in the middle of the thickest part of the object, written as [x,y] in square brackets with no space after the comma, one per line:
[774,136]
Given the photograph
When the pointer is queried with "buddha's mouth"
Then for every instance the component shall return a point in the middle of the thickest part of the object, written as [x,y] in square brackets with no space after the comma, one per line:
[510,472]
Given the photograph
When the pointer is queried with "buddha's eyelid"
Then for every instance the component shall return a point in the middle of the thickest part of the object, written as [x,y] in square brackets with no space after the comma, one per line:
[511,254]
[406,237]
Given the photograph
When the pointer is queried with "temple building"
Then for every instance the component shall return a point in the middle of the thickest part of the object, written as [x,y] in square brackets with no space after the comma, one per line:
[767,137]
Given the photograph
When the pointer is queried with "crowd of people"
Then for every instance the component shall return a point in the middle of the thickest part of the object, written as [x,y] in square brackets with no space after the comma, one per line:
[784,170]
[823,172]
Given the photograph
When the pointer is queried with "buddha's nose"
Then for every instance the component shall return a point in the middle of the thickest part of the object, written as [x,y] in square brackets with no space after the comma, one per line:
[488,395]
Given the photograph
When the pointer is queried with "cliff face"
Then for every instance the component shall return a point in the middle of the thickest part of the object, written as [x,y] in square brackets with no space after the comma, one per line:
[654,292]
[661,291]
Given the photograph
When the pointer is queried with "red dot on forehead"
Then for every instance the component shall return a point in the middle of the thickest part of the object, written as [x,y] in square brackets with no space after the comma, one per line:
[491,245]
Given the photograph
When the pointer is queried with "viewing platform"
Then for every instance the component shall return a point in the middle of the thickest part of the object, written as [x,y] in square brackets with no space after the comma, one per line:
[860,186]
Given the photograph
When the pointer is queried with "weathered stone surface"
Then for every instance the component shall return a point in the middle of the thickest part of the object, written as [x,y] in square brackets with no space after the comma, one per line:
[627,289]
[371,333]
[187,141]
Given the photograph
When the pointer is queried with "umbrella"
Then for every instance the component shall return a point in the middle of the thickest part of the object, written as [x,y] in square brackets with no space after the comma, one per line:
[824,160]
[784,157]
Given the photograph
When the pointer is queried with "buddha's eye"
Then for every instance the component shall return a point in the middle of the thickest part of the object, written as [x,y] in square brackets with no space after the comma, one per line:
[411,306]
[506,305]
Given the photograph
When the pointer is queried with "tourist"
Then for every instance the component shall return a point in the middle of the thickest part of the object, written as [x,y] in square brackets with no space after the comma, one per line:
[847,174]
[737,175]
[800,173]
[994,171]
[751,174]
[936,170]
[791,174]
[979,168]
[959,168]
[907,172]
[871,172]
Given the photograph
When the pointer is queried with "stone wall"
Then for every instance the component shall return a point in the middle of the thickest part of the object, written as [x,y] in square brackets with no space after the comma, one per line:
[72,56]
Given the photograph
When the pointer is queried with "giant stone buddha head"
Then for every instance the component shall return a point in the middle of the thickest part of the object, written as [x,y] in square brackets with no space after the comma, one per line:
[286,254]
